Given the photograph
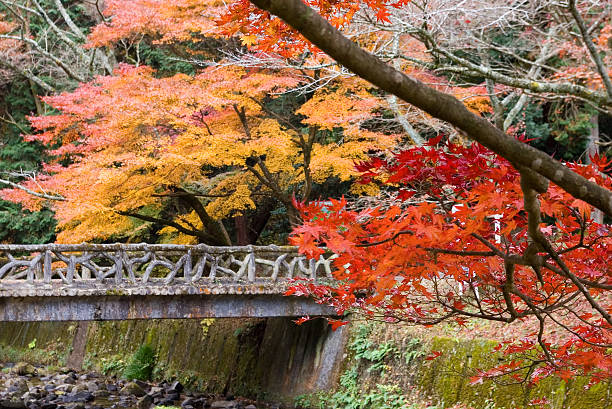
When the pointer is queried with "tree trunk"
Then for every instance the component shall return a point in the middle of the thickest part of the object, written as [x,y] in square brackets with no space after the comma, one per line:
[260,219]
[242,232]
[212,226]
[592,149]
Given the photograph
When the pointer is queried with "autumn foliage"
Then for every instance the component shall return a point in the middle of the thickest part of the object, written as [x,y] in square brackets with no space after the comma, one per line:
[455,246]
[135,144]
[168,23]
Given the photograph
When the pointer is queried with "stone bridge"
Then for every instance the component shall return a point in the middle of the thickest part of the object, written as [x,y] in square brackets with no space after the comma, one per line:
[84,282]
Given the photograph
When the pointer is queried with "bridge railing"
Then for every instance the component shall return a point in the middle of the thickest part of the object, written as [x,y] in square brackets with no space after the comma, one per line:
[141,263]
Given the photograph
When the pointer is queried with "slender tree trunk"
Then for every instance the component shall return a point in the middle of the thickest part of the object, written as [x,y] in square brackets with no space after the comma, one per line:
[249,227]
[592,149]
[39,107]
[242,232]
[258,222]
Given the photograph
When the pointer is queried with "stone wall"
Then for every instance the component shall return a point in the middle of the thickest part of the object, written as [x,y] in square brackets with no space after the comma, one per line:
[263,358]
[274,359]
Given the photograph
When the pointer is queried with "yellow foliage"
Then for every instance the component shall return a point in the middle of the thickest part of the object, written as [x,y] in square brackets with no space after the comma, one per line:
[237,202]
[347,103]
[171,235]
[140,137]
[369,189]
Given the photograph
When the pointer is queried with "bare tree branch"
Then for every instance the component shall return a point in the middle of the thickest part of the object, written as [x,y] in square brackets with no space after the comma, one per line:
[31,192]
[588,42]
[27,74]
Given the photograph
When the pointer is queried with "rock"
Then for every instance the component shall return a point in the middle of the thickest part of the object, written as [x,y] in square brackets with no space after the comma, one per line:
[23,369]
[17,386]
[12,404]
[132,388]
[79,388]
[201,402]
[30,397]
[42,372]
[188,402]
[145,402]
[65,379]
[173,396]
[145,386]
[156,389]
[223,404]
[165,402]
[156,392]
[92,386]
[101,394]
[83,396]
[177,386]
[251,406]
[63,388]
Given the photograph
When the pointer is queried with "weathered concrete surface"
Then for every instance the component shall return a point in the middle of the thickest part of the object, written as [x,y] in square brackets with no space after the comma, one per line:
[117,307]
[141,281]
[154,286]
[79,346]
[268,358]
[41,264]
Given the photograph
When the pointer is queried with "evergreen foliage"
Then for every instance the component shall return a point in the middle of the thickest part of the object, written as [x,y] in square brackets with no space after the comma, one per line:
[17,225]
[141,364]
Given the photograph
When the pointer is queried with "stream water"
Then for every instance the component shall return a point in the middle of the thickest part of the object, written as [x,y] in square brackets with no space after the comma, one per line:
[25,386]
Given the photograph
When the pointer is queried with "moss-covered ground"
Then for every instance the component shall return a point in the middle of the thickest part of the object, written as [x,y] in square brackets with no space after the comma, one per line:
[387,367]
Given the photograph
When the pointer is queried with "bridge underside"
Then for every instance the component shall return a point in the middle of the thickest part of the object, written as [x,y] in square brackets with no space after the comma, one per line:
[94,308]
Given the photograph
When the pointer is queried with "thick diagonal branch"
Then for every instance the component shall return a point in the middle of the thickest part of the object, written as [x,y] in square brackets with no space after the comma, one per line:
[203,236]
[438,104]
[214,227]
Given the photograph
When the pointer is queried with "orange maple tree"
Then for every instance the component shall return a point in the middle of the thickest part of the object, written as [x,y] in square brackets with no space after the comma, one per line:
[190,153]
